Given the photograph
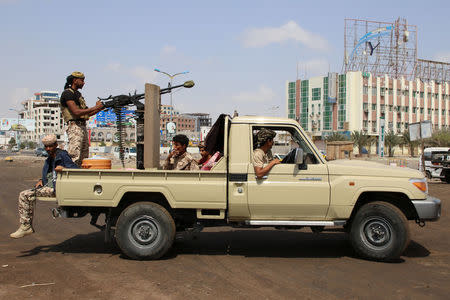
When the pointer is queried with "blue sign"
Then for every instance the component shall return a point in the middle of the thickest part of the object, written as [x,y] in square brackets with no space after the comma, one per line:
[108,117]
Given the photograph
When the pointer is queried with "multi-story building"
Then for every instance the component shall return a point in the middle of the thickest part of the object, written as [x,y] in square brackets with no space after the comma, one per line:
[201,120]
[45,110]
[358,101]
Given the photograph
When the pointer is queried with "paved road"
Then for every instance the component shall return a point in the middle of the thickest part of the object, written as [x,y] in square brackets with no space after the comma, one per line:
[220,263]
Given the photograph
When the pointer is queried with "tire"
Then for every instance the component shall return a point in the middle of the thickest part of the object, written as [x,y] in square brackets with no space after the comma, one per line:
[429,175]
[145,230]
[379,231]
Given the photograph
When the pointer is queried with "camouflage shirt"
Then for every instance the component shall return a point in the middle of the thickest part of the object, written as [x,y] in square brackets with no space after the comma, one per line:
[183,162]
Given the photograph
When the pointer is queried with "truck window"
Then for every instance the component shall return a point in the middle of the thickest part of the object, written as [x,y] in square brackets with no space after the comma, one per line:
[287,138]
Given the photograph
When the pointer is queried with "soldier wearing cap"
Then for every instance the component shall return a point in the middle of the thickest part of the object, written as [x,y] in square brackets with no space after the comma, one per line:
[75,113]
[263,161]
[56,161]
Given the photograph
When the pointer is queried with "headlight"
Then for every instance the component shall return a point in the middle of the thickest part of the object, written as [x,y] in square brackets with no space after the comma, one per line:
[421,184]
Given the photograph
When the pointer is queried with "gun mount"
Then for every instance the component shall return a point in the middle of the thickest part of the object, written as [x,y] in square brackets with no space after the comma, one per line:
[119,102]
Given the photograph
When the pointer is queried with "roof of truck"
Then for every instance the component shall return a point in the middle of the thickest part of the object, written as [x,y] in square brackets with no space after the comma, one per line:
[262,119]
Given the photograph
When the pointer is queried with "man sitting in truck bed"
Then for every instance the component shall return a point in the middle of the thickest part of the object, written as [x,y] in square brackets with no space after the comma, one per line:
[262,161]
[179,158]
[56,161]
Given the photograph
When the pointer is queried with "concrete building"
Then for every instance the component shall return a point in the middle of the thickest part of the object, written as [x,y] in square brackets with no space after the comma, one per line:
[358,101]
[45,110]
[201,120]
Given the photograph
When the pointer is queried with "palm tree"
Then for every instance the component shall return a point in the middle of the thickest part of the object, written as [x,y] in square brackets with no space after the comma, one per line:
[440,138]
[371,141]
[406,140]
[360,139]
[391,140]
[336,136]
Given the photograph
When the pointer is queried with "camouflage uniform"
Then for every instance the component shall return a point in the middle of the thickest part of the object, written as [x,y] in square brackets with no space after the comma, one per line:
[76,127]
[27,199]
[78,141]
[183,162]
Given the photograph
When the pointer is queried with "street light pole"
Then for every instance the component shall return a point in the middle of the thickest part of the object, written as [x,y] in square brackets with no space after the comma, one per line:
[170,85]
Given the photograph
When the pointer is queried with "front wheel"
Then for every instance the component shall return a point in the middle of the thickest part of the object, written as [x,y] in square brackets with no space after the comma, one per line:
[145,230]
[379,231]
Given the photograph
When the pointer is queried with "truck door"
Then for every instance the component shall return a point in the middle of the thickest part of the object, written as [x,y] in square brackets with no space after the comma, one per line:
[289,192]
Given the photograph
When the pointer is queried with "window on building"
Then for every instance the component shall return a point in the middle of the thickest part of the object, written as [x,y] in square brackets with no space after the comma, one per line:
[316,94]
[365,90]
[374,107]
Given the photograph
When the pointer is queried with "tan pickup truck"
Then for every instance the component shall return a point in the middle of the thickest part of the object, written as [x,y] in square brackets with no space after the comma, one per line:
[145,208]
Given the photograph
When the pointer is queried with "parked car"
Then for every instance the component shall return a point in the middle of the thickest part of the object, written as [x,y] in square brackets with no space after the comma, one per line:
[40,152]
[15,149]
[433,161]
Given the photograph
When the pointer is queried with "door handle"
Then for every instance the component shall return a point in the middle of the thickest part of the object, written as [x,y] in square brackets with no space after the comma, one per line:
[264,177]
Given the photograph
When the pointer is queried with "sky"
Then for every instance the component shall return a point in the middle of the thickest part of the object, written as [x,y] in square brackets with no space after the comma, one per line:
[240,54]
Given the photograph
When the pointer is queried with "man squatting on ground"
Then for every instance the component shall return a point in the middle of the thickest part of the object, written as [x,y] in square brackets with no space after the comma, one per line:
[75,113]
[179,158]
[56,161]
[263,161]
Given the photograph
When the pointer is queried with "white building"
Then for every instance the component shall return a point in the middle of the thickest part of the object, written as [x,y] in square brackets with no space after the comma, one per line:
[46,112]
[357,101]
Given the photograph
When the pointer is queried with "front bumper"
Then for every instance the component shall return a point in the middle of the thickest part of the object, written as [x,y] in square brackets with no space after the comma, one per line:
[428,209]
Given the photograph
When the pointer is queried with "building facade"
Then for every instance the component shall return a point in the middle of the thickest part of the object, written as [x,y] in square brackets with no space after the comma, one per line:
[358,101]
[45,110]
[201,120]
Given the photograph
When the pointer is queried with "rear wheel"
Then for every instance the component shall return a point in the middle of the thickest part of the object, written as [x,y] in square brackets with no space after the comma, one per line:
[379,231]
[145,230]
[428,174]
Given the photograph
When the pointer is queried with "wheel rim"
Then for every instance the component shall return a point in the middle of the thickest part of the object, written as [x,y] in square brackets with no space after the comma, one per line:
[376,233]
[144,231]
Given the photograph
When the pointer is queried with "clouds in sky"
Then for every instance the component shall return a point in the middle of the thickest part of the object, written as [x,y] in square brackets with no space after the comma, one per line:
[313,67]
[291,31]
[262,95]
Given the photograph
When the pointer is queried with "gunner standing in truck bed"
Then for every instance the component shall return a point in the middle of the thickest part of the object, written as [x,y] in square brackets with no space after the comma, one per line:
[75,113]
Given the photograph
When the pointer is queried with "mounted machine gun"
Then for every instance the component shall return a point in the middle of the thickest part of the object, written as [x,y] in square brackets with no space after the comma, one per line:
[118,103]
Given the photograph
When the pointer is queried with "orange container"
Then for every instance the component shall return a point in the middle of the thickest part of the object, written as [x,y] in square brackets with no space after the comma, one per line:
[90,163]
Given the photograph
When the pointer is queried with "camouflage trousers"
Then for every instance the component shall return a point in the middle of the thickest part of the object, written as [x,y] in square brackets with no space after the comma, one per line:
[78,148]
[27,199]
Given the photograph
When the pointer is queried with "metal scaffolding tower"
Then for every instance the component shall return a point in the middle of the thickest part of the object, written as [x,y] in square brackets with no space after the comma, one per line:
[380,48]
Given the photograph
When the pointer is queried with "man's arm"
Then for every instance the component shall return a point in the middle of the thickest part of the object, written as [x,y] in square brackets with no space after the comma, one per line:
[262,171]
[78,112]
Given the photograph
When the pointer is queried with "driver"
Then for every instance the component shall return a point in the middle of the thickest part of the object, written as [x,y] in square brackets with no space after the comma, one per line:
[263,161]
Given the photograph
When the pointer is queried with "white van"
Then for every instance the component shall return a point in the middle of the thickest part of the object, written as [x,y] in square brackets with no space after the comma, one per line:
[432,157]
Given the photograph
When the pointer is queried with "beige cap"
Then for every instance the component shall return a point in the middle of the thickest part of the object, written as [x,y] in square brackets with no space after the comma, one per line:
[77,74]
[49,140]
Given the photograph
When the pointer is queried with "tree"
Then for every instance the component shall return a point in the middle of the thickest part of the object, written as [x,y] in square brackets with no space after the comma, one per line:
[440,138]
[406,140]
[371,141]
[336,136]
[360,139]
[391,140]
[12,142]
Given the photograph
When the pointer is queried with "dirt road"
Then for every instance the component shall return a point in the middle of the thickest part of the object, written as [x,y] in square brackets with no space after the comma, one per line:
[70,257]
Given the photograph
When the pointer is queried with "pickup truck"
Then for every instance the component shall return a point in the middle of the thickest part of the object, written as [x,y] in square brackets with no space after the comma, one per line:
[145,208]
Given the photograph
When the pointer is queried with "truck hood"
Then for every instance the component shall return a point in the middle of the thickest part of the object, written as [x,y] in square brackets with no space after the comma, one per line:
[367,168]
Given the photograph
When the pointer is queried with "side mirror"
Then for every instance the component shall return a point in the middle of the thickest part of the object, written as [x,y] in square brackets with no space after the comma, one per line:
[299,156]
